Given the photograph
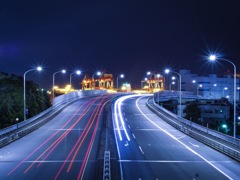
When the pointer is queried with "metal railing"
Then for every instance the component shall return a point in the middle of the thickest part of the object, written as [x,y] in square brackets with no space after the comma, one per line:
[223,143]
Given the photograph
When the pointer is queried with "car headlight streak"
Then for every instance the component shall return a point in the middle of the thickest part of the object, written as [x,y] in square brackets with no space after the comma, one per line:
[120,125]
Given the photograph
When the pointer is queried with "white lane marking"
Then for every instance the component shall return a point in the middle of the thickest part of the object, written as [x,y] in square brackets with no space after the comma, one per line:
[126,144]
[181,137]
[126,119]
[129,126]
[134,136]
[195,145]
[141,149]
[187,147]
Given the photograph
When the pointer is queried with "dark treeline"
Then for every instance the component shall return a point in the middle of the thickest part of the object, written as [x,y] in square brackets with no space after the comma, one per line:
[11,99]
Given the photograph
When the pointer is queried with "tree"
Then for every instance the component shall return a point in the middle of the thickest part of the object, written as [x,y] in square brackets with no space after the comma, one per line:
[192,112]
[11,95]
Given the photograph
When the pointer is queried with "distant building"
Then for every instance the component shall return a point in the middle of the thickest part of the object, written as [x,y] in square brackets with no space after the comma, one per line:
[209,87]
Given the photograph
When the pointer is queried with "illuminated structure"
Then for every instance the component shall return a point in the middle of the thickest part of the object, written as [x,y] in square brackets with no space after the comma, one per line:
[154,83]
[105,81]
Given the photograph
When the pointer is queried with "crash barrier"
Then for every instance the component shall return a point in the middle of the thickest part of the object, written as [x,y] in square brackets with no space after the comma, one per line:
[106,166]
[15,131]
[223,143]
[216,134]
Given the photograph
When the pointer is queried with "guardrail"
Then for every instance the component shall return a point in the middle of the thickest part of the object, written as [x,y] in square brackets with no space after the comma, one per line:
[21,129]
[216,134]
[201,133]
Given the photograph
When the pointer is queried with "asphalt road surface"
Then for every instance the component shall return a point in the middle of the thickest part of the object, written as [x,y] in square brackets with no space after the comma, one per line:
[149,148]
[64,148]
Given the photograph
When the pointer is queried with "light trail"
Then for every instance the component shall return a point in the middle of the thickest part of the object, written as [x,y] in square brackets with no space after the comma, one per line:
[82,170]
[42,144]
[87,105]
[60,139]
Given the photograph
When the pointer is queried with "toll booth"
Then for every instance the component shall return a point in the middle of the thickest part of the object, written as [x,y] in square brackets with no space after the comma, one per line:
[105,81]
[154,83]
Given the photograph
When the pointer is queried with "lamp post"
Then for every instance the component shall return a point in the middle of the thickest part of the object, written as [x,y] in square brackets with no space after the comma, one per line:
[121,76]
[170,85]
[224,89]
[214,90]
[24,89]
[213,58]
[17,119]
[98,73]
[167,71]
[78,72]
[199,86]
[62,71]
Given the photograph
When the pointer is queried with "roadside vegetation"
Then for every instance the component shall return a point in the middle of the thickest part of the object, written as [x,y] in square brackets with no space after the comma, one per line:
[11,99]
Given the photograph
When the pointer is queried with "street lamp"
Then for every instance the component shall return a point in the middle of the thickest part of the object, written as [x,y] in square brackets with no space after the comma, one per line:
[78,72]
[224,89]
[98,73]
[167,71]
[158,85]
[17,119]
[200,86]
[170,85]
[213,58]
[121,76]
[214,90]
[62,71]
[39,68]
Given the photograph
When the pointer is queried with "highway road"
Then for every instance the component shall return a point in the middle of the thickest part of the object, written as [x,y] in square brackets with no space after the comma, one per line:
[149,148]
[64,148]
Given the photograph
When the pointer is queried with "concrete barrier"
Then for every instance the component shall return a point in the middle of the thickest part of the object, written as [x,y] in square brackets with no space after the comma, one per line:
[106,166]
[21,129]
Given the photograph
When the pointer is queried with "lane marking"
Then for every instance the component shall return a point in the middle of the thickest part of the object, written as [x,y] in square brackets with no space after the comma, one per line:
[141,149]
[187,147]
[195,145]
[126,144]
[129,126]
[181,137]
[133,136]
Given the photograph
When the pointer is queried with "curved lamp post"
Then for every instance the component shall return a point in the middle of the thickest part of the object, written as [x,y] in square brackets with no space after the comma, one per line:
[62,71]
[121,76]
[214,58]
[167,71]
[78,72]
[39,68]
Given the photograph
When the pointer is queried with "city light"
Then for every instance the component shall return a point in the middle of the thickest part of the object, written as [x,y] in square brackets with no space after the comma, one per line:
[39,68]
[213,58]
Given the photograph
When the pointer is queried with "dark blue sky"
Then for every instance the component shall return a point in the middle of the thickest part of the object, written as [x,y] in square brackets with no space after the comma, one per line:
[129,37]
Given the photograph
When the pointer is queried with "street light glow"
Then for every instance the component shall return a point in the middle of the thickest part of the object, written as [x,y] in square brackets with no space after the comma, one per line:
[39,68]
[122,76]
[212,57]
[63,71]
[167,71]
[78,72]
[148,73]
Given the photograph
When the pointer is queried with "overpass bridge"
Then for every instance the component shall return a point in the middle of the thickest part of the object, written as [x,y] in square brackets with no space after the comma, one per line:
[96,135]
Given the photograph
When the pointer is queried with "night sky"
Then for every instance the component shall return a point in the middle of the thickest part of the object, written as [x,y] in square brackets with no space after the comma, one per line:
[130,37]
